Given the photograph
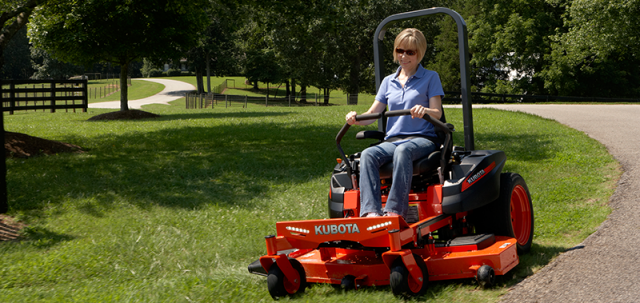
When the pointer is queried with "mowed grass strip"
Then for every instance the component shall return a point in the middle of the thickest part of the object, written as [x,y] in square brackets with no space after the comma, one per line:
[139,89]
[174,209]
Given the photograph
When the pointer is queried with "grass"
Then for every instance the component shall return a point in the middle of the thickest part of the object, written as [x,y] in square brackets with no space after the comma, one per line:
[139,89]
[238,87]
[174,209]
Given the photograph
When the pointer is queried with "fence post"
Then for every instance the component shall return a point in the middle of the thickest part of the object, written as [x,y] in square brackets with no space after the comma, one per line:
[53,96]
[289,100]
[85,98]
[245,101]
[266,101]
[186,100]
[225,101]
[12,96]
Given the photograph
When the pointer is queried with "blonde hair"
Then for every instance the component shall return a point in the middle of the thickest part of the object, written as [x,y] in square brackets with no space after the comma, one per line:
[413,39]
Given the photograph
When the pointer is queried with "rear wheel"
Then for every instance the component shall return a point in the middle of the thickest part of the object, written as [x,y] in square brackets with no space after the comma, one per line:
[402,284]
[510,215]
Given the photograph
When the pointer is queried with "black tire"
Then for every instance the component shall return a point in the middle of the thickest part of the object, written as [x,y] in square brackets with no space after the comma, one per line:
[511,214]
[401,284]
[486,276]
[276,279]
[348,283]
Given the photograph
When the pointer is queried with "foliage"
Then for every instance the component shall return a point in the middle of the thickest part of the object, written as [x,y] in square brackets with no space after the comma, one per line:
[116,31]
[14,14]
[17,62]
[262,66]
[216,51]
[509,40]
[599,53]
[329,43]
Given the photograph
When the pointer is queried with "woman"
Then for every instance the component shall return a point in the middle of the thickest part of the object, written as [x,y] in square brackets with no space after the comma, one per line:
[408,137]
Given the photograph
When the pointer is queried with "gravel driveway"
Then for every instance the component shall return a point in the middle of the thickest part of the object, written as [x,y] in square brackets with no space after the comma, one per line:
[605,267]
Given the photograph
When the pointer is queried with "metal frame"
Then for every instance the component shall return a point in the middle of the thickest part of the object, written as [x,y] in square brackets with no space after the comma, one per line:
[463,48]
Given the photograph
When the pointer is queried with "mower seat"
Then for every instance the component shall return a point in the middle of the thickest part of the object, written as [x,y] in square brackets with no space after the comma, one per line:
[422,166]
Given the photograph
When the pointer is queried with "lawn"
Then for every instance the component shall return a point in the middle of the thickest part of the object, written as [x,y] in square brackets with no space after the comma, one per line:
[174,209]
[237,86]
[105,90]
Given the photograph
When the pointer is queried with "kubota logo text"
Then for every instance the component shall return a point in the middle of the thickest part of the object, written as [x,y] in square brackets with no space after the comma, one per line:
[332,229]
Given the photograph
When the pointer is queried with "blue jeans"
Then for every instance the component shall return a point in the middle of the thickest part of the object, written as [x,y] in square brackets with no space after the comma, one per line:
[402,156]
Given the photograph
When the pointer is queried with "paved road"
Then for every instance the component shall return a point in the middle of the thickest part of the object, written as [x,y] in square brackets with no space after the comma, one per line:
[172,90]
[605,267]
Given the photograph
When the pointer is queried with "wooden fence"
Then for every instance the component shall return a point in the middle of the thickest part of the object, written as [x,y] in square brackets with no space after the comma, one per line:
[195,100]
[43,94]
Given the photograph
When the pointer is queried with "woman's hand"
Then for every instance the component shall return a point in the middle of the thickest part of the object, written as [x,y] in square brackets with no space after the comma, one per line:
[418,111]
[351,118]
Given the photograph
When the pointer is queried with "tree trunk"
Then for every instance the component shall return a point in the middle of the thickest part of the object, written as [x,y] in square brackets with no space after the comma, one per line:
[326,96]
[293,88]
[267,90]
[354,82]
[4,202]
[124,88]
[286,82]
[199,81]
[208,73]
[303,94]
[255,85]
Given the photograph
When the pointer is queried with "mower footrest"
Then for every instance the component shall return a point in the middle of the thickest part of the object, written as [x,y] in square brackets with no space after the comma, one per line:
[501,255]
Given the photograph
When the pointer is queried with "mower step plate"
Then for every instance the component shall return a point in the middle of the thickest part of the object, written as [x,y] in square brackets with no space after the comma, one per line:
[502,256]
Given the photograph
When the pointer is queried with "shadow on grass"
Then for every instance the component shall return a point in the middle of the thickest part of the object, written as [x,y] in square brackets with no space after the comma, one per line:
[232,165]
[205,115]
[43,238]
[188,167]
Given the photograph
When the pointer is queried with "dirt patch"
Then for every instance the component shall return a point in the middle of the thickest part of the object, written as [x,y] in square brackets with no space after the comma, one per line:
[132,114]
[17,145]
[9,228]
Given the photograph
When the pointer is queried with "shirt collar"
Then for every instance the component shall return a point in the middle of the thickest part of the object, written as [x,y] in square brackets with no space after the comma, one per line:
[420,71]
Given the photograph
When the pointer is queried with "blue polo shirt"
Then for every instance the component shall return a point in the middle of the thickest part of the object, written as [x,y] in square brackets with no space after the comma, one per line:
[418,89]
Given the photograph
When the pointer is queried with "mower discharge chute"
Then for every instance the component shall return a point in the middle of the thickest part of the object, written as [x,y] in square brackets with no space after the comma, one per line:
[467,219]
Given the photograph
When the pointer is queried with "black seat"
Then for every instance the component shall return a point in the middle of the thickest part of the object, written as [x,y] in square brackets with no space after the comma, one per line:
[422,166]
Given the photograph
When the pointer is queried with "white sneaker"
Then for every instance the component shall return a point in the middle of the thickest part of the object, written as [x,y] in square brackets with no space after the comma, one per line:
[371,214]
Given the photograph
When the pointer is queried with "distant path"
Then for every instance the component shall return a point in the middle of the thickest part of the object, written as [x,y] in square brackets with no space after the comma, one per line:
[173,90]
[605,267]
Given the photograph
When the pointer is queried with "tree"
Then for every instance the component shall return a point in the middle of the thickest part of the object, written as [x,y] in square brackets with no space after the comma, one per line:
[14,14]
[599,53]
[262,66]
[509,40]
[17,62]
[216,51]
[117,31]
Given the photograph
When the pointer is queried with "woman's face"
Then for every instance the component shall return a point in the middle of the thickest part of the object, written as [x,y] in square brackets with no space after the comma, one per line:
[407,57]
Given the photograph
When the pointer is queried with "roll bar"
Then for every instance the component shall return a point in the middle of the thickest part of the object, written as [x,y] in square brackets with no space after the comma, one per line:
[463,49]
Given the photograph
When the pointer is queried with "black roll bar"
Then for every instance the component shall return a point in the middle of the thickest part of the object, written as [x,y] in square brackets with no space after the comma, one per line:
[463,49]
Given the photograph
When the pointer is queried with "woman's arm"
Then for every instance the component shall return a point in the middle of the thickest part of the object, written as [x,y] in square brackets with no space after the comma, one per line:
[434,109]
[376,107]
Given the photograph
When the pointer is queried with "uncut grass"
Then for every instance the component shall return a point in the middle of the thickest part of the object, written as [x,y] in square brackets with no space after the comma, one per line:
[175,208]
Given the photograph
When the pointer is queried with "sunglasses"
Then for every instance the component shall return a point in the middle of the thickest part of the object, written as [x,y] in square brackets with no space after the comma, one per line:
[403,51]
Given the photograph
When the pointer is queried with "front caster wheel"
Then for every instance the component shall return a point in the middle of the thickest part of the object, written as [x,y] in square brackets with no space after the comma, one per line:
[278,284]
[486,276]
[402,284]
